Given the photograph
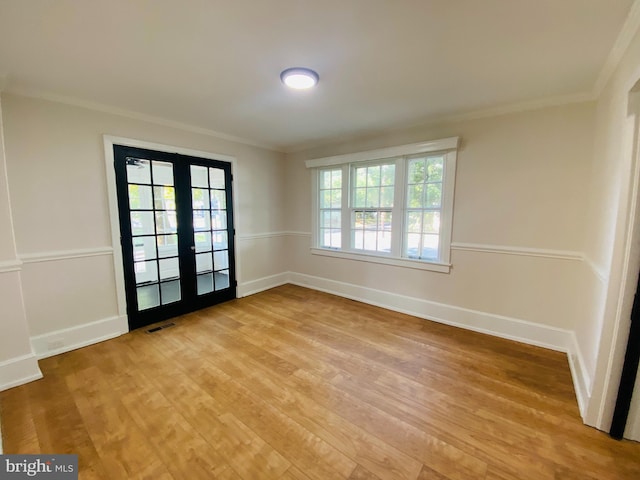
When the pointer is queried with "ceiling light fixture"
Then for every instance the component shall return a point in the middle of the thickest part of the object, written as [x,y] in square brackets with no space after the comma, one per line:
[299,78]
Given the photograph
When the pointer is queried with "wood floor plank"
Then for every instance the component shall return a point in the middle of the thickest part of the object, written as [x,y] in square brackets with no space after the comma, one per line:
[295,384]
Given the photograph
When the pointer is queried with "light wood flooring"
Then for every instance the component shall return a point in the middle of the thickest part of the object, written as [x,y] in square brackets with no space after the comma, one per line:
[295,384]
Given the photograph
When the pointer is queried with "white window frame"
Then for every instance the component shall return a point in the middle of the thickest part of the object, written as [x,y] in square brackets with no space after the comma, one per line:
[448,147]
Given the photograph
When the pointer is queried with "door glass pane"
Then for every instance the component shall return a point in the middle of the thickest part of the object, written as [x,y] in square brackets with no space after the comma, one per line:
[221,260]
[216,177]
[166,221]
[170,292]
[138,170]
[165,198]
[148,297]
[203,241]
[203,262]
[201,221]
[146,272]
[167,246]
[200,198]
[219,220]
[140,197]
[162,173]
[222,280]
[205,283]
[220,240]
[199,176]
[144,248]
[218,200]
[169,268]
[142,223]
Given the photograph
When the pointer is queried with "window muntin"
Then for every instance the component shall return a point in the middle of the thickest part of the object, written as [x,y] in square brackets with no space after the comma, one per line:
[371,206]
[409,228]
[330,202]
[423,207]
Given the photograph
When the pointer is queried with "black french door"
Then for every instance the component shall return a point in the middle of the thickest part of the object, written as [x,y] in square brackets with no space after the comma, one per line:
[177,234]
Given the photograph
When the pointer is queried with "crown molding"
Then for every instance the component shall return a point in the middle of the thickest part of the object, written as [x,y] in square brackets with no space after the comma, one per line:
[629,29]
[122,112]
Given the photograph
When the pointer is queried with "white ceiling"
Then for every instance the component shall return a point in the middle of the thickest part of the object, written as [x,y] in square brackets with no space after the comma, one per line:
[215,64]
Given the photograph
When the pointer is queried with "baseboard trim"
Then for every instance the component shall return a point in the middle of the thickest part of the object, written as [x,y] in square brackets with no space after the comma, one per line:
[67,339]
[261,284]
[579,374]
[497,325]
[18,371]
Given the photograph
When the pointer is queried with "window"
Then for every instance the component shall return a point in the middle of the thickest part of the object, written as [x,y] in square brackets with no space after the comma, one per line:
[392,205]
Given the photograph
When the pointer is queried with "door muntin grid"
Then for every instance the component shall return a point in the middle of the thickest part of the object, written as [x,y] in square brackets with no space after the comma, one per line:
[210,238]
[154,227]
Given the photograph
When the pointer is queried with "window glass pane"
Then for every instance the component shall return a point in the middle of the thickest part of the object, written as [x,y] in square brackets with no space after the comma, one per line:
[146,272]
[203,262]
[200,198]
[202,241]
[222,280]
[219,220]
[336,198]
[167,246]
[336,219]
[431,222]
[140,197]
[373,176]
[144,248]
[388,175]
[216,178]
[386,197]
[148,297]
[162,173]
[138,171]
[414,196]
[361,177]
[218,200]
[414,222]
[325,199]
[336,179]
[434,194]
[199,176]
[165,198]
[201,221]
[142,223]
[169,268]
[358,240]
[384,221]
[360,197]
[435,166]
[325,179]
[370,220]
[205,283]
[383,241]
[220,240]
[373,198]
[170,291]
[325,219]
[221,260]
[430,247]
[330,237]
[166,222]
[416,170]
[413,245]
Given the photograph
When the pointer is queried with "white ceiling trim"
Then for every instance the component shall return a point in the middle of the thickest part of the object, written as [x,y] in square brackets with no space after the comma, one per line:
[100,107]
[629,29]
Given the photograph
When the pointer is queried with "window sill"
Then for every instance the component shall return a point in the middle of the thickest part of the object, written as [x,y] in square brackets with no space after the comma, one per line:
[396,262]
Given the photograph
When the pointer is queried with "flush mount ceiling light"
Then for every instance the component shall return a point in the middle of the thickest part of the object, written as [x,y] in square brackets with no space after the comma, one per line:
[299,78]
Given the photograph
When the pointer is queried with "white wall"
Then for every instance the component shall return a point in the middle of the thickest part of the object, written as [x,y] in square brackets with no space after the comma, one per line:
[56,171]
[612,233]
[17,361]
[522,187]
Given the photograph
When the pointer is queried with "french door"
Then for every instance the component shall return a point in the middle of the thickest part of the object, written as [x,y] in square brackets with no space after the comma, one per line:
[176,227]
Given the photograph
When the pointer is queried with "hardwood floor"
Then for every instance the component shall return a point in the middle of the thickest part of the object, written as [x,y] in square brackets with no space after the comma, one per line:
[295,384]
